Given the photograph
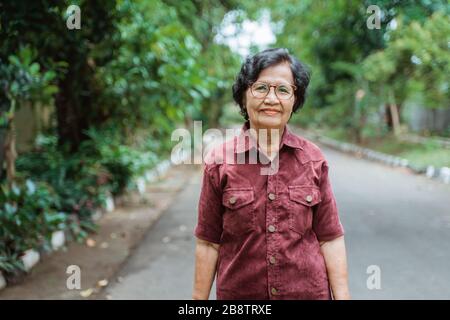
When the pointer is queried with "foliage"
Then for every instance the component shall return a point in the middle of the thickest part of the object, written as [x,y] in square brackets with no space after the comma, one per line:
[117,88]
[123,163]
[329,34]
[29,214]
[416,59]
[42,26]
[156,79]
[21,81]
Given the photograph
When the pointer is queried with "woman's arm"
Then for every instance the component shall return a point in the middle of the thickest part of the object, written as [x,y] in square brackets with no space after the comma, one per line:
[336,261]
[206,255]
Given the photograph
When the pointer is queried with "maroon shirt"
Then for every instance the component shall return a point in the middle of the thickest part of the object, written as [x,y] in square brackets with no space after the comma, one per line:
[269,226]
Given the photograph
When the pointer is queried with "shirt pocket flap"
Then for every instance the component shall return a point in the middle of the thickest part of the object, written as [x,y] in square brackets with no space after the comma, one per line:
[306,195]
[236,198]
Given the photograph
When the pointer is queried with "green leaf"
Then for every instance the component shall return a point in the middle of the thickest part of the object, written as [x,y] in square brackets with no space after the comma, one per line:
[14,60]
[34,68]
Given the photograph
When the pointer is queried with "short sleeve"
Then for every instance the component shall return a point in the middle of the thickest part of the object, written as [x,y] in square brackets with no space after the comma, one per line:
[326,222]
[210,209]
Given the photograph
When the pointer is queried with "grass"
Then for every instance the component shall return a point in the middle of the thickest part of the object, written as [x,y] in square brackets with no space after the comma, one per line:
[418,154]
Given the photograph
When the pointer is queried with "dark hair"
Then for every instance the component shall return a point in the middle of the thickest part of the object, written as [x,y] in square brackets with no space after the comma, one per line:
[253,66]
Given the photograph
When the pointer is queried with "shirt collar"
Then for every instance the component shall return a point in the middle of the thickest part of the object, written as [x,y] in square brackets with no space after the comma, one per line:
[246,141]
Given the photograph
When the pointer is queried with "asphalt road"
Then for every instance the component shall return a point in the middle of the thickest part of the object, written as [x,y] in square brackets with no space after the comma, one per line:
[394,220]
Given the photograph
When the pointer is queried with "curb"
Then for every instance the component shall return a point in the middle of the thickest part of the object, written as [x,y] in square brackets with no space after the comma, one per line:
[32,257]
[2,281]
[440,174]
[58,240]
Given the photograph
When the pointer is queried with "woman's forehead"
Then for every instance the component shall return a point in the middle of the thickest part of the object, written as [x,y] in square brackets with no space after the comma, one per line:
[277,73]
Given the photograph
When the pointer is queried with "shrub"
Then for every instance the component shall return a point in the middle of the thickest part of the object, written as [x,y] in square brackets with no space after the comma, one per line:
[29,214]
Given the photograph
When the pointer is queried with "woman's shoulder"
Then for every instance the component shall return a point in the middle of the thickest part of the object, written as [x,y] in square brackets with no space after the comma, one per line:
[308,150]
[218,152]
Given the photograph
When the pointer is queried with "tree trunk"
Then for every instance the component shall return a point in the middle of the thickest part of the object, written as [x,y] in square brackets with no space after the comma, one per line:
[2,150]
[4,107]
[10,152]
[392,112]
[73,110]
[388,116]
[393,109]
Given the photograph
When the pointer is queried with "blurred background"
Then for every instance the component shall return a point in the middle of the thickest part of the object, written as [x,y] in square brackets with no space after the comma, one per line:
[89,98]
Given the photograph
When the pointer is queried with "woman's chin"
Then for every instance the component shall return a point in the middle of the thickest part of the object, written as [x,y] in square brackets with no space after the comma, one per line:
[270,122]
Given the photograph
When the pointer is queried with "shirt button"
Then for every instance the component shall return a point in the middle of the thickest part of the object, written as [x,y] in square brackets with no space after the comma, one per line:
[274,291]
[272,228]
[232,200]
[272,259]
[272,196]
[309,198]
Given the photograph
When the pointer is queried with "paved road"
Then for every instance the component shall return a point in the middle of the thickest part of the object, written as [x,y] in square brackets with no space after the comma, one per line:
[394,220]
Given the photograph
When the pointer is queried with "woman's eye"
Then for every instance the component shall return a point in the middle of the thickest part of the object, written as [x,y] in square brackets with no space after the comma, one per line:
[261,87]
[283,89]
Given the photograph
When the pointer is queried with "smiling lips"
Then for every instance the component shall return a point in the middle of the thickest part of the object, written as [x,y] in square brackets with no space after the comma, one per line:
[270,112]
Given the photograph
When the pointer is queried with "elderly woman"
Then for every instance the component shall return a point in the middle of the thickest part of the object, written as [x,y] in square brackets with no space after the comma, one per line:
[275,235]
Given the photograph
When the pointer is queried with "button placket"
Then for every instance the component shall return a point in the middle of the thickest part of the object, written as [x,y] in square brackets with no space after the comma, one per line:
[271,234]
[272,260]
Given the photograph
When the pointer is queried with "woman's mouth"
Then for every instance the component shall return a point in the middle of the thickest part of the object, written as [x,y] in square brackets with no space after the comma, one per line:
[270,112]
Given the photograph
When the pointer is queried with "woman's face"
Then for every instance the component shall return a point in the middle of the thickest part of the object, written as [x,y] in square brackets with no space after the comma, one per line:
[271,112]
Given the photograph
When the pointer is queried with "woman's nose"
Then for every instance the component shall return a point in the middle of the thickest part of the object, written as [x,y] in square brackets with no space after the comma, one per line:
[271,96]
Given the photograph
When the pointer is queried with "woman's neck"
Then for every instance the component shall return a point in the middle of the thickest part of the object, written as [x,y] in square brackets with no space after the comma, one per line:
[268,139]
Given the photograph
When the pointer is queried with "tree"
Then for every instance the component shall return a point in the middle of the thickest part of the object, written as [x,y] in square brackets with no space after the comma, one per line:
[42,26]
[416,60]
[218,62]
[21,81]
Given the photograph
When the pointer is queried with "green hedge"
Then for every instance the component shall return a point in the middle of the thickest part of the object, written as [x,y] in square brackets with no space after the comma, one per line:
[56,190]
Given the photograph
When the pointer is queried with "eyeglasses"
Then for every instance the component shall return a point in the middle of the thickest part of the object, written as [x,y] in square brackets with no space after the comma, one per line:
[283,91]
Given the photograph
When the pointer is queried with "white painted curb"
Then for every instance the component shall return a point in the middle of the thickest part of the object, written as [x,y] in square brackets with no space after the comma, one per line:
[58,239]
[109,204]
[441,174]
[162,167]
[444,174]
[30,259]
[140,183]
[2,281]
[97,215]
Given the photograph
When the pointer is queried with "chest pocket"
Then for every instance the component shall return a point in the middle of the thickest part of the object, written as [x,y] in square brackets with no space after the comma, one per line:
[239,215]
[301,201]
